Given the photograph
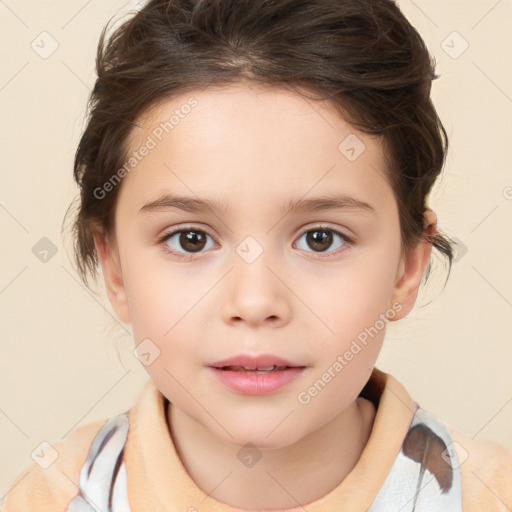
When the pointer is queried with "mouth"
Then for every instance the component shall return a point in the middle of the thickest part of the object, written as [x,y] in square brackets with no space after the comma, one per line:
[256,375]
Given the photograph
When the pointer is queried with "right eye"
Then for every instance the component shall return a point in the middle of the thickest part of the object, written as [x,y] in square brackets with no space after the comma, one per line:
[190,239]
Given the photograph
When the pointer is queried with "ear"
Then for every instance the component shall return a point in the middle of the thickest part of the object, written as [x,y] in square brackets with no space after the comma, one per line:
[411,268]
[112,272]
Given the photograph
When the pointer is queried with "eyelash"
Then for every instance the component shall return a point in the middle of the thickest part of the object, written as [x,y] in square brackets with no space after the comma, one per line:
[190,256]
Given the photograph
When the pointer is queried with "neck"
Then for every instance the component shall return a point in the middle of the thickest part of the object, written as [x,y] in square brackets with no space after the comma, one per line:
[288,477]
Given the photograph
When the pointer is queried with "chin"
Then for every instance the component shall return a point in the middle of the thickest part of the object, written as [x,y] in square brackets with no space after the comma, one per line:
[259,437]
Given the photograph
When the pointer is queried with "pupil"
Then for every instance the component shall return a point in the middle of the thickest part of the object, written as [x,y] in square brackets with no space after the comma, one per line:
[192,241]
[317,239]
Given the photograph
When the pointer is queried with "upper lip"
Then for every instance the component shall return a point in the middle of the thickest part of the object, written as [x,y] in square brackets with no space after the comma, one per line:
[253,362]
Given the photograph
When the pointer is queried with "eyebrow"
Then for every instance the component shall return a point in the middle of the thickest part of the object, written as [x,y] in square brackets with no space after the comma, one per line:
[195,205]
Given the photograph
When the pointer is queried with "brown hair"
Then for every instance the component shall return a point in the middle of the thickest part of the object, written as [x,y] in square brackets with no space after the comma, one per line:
[362,56]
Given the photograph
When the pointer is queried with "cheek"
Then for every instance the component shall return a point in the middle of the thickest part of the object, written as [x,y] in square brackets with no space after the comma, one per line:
[352,306]
[357,297]
[171,306]
[160,298]
[164,310]
[354,310]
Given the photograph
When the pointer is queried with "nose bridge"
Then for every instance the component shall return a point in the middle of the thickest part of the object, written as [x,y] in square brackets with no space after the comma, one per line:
[255,249]
[252,262]
[255,290]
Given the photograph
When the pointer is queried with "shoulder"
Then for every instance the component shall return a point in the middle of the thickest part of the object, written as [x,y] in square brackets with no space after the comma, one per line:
[50,482]
[486,472]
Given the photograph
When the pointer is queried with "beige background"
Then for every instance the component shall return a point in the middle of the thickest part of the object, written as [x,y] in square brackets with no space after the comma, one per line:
[59,367]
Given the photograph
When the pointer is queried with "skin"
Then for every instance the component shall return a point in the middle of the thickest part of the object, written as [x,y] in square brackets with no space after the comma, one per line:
[256,148]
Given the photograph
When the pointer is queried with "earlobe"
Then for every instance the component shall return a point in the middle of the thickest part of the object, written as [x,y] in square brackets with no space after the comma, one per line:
[411,269]
[113,275]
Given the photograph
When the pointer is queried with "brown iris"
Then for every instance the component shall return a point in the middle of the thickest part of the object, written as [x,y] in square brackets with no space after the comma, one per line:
[319,239]
[192,241]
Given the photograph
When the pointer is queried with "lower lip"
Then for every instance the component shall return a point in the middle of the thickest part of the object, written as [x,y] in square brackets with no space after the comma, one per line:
[252,383]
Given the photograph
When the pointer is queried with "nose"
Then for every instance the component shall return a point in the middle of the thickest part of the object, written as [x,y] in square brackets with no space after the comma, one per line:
[256,294]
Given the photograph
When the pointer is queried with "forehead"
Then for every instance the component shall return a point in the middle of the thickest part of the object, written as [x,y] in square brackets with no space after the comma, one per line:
[252,142]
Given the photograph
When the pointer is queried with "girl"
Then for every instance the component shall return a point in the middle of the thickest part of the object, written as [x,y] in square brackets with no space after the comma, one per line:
[253,180]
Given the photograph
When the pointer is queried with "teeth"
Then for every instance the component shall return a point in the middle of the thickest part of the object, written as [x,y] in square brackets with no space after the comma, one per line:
[263,369]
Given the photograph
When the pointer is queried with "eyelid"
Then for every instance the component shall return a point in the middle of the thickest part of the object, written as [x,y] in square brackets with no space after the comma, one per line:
[323,226]
[177,229]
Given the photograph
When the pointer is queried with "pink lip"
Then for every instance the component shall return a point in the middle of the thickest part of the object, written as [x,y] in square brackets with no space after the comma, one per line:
[252,383]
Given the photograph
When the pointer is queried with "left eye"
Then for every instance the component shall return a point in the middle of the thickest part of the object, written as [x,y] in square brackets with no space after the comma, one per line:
[192,240]
[320,239]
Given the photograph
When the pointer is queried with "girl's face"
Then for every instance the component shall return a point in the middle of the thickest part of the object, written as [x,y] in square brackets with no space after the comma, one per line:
[312,284]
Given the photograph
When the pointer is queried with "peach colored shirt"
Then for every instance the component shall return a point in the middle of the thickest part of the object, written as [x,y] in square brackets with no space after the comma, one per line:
[131,461]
